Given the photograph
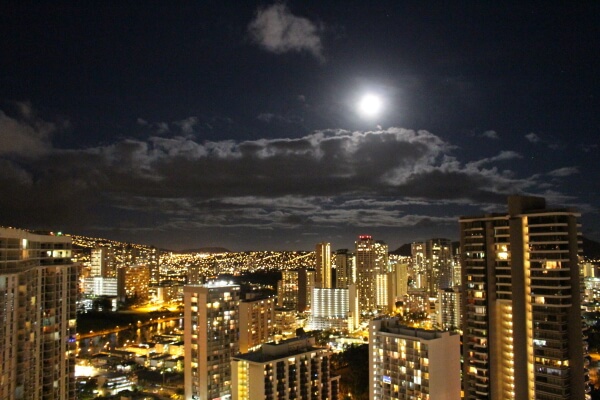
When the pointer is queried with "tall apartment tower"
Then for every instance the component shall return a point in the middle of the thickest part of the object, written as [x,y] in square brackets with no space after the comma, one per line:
[345,269]
[292,369]
[448,309]
[38,293]
[210,338]
[323,267]
[287,289]
[371,263]
[306,283]
[522,321]
[419,264]
[407,363]
[98,261]
[257,322]
[397,284]
[439,264]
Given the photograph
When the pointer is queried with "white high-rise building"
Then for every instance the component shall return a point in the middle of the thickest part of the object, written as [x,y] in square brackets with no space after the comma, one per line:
[38,293]
[407,363]
[211,324]
[333,309]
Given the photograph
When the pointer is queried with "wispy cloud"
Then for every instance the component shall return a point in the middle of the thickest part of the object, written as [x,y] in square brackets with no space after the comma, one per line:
[277,30]
[562,172]
[490,135]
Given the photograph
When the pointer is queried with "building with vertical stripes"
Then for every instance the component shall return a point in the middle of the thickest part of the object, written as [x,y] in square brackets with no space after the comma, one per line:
[38,293]
[522,322]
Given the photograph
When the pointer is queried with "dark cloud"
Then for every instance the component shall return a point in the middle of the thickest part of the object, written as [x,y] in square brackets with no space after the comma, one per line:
[329,180]
[392,178]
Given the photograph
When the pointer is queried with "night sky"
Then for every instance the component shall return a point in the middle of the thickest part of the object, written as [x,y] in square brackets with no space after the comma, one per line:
[236,123]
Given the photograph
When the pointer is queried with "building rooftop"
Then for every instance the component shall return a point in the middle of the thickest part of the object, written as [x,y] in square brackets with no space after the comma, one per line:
[274,351]
[392,325]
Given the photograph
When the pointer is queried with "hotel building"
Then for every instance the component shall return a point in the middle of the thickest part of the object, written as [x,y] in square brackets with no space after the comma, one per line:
[522,320]
[38,292]
[407,363]
[210,338]
[333,309]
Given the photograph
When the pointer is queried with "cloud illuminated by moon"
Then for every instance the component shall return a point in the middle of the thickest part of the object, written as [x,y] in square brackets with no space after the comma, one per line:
[370,105]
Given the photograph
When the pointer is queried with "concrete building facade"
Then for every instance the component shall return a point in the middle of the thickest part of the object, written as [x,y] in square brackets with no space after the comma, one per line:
[211,328]
[292,369]
[38,293]
[522,320]
[407,363]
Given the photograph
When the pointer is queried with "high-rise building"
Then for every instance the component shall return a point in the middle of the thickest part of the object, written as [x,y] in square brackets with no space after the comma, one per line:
[306,282]
[439,260]
[99,286]
[133,283]
[292,369]
[418,265]
[210,338]
[345,269]
[371,261]
[98,261]
[287,289]
[448,312]
[38,293]
[257,322]
[285,323]
[323,267]
[333,309]
[522,325]
[397,284]
[407,363]
[152,260]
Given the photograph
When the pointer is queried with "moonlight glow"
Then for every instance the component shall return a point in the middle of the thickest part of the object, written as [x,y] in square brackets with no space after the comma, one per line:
[370,105]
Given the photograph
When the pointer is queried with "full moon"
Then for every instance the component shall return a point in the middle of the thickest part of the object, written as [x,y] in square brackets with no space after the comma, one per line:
[370,105]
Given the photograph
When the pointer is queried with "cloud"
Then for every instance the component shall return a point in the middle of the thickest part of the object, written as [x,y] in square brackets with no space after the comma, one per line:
[331,179]
[277,30]
[562,172]
[551,143]
[187,125]
[502,156]
[490,135]
[533,138]
[270,118]
[184,126]
[28,136]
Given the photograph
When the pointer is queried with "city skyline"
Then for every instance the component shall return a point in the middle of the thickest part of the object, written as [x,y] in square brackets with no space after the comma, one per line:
[238,125]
